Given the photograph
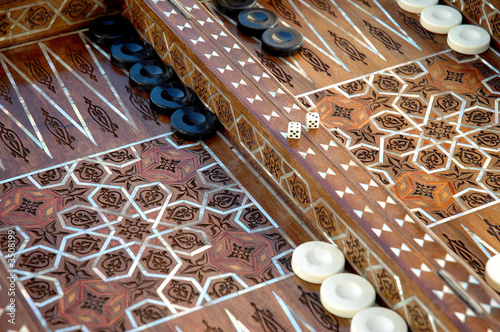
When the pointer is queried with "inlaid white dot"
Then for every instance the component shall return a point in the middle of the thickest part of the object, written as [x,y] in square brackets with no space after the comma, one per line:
[315,261]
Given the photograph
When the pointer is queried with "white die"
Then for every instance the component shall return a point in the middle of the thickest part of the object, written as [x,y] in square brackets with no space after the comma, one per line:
[294,130]
[312,120]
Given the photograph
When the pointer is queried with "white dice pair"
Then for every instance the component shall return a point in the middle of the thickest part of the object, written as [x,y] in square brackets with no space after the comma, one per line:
[312,122]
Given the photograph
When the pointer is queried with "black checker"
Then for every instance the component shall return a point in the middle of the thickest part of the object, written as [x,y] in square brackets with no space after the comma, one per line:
[254,21]
[194,123]
[107,30]
[127,52]
[147,74]
[282,41]
[233,7]
[168,97]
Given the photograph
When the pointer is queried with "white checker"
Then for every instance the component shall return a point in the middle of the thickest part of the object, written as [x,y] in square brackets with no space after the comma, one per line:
[416,6]
[440,18]
[492,272]
[378,319]
[345,294]
[315,261]
[469,39]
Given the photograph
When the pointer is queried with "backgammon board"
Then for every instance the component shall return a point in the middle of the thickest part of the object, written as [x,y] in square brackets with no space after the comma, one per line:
[110,222]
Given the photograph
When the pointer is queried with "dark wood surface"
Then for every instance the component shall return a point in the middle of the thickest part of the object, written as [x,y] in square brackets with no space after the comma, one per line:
[121,225]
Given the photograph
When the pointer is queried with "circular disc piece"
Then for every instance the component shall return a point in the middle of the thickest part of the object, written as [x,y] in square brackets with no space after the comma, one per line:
[492,272]
[378,319]
[234,7]
[147,74]
[127,52]
[440,19]
[254,21]
[168,97]
[468,39]
[194,123]
[315,261]
[282,41]
[107,30]
[345,294]
[416,6]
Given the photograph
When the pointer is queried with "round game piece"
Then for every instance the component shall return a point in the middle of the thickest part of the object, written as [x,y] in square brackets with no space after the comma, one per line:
[378,319]
[194,123]
[282,41]
[127,52]
[147,74]
[416,6]
[107,30]
[168,97]
[345,294]
[315,261]
[492,272]
[440,19]
[234,7]
[468,39]
[254,21]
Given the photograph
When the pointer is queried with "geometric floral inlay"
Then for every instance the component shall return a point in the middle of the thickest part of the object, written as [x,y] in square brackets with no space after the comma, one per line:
[116,233]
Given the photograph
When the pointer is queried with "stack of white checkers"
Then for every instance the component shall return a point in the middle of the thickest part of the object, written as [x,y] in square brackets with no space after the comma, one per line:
[345,295]
[462,38]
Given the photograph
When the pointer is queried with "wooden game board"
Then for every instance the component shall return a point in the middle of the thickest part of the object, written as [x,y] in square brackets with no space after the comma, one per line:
[120,225]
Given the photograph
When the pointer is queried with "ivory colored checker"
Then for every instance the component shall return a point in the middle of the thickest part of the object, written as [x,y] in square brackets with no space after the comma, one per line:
[440,19]
[345,294]
[468,39]
[378,319]
[492,272]
[315,261]
[416,6]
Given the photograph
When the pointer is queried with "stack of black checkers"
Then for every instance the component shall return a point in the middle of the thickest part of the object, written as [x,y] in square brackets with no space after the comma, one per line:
[147,73]
[107,30]
[262,23]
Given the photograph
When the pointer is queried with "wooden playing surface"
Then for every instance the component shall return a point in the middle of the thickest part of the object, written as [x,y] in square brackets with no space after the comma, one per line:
[120,225]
